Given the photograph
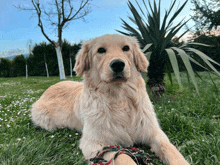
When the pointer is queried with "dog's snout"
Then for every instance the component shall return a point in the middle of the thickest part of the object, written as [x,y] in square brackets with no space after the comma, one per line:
[117,65]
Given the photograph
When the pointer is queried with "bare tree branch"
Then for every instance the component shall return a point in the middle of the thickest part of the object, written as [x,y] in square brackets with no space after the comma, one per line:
[20,7]
[40,24]
[81,7]
[64,14]
[71,9]
[62,21]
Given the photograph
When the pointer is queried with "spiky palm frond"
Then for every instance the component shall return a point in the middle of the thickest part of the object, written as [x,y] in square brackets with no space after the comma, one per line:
[152,30]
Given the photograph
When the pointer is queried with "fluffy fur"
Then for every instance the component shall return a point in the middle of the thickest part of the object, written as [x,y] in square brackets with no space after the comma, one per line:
[106,110]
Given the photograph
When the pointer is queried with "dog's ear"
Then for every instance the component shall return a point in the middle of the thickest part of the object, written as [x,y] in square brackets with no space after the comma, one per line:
[140,59]
[82,60]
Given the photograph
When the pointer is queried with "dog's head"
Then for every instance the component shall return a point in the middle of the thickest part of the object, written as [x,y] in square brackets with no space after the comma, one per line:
[112,57]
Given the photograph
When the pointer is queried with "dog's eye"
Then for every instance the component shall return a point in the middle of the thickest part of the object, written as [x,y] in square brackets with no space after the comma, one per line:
[125,48]
[101,50]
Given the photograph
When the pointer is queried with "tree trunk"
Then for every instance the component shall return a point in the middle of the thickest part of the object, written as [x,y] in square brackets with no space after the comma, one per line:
[26,71]
[46,69]
[71,68]
[156,74]
[60,62]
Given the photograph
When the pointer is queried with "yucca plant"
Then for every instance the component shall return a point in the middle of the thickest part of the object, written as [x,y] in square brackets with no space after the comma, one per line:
[155,37]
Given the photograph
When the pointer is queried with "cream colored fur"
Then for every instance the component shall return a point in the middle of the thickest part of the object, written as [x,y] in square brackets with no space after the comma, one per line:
[106,112]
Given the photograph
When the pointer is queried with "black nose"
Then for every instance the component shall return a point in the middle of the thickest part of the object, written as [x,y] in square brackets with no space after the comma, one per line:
[117,65]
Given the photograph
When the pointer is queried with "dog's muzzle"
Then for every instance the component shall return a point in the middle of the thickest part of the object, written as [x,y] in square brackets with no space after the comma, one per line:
[117,66]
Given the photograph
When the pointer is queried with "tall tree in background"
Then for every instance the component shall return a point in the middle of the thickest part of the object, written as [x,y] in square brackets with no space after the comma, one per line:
[5,67]
[58,14]
[206,13]
[18,66]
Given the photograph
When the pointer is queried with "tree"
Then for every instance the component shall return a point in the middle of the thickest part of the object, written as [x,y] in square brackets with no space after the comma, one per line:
[5,66]
[64,12]
[42,53]
[206,13]
[69,53]
[155,34]
[44,56]
[18,66]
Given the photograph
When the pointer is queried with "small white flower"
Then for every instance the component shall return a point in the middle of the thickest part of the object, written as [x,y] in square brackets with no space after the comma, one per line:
[70,135]
[52,136]
[76,134]
[8,125]
[19,139]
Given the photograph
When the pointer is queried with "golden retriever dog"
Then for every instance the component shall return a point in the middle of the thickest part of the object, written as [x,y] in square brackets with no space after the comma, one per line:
[111,105]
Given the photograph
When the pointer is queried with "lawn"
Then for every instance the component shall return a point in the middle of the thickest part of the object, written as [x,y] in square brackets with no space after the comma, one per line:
[191,121]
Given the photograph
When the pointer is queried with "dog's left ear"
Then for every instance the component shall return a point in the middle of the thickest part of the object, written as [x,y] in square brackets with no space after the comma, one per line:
[140,59]
[82,60]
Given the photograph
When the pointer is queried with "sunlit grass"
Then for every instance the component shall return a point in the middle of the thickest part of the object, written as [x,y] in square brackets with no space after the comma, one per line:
[190,121]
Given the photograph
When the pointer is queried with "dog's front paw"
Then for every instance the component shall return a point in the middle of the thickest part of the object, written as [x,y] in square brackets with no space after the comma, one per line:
[169,154]
[89,148]
[160,154]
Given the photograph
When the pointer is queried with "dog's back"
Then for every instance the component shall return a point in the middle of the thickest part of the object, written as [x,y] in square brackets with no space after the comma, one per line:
[55,108]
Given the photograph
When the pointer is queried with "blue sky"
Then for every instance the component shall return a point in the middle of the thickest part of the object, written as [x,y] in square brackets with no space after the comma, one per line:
[17,27]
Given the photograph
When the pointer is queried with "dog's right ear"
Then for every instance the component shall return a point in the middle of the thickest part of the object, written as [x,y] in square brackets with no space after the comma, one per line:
[140,59]
[82,60]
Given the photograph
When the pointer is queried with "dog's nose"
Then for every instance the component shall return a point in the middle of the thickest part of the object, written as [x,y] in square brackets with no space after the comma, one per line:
[117,65]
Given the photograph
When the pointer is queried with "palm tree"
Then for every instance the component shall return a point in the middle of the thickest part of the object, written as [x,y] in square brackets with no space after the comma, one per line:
[155,38]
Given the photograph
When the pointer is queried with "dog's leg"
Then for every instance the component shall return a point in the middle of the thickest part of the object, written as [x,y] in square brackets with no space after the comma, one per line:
[90,149]
[122,159]
[166,151]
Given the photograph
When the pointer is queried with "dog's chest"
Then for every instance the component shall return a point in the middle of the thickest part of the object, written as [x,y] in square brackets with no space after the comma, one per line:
[118,113]
[119,117]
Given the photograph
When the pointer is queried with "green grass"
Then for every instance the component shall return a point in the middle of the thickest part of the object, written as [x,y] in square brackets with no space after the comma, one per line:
[186,118]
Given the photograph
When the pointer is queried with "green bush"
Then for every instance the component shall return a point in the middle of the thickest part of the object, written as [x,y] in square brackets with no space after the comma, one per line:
[18,66]
[213,52]
[5,67]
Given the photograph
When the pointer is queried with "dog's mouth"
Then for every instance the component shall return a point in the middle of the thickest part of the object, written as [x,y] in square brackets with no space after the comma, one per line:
[119,77]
